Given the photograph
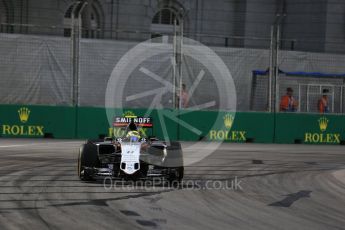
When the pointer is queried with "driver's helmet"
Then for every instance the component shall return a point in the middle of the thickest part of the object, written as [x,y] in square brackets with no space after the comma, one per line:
[132,126]
[133,136]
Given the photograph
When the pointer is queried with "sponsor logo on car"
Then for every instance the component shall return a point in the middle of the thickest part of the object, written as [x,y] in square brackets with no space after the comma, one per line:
[120,122]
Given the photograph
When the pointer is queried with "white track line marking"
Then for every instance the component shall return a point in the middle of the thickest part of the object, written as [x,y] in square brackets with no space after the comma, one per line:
[10,146]
[41,144]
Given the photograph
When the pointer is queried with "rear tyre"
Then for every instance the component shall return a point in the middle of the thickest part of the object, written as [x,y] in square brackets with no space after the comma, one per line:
[175,178]
[87,160]
[174,161]
[174,157]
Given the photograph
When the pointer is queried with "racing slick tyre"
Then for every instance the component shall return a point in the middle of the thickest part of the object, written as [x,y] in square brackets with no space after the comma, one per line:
[175,163]
[87,158]
[175,177]
[174,155]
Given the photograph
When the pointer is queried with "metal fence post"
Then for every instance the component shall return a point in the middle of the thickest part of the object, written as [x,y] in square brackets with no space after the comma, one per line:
[75,49]
[341,99]
[276,75]
[299,98]
[174,64]
[270,77]
[180,62]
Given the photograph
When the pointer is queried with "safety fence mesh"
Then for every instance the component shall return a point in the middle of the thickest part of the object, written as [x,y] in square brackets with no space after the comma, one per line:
[38,70]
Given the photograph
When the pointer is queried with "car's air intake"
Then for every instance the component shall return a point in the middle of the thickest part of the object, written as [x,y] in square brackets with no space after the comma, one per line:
[106,149]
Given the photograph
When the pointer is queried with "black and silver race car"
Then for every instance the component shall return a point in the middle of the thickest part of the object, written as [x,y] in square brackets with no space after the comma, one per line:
[131,156]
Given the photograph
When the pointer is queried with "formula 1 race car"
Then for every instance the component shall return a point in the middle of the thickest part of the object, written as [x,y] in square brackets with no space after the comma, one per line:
[131,156]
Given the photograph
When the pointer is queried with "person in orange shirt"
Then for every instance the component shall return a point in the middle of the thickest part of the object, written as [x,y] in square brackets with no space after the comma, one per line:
[288,103]
[323,102]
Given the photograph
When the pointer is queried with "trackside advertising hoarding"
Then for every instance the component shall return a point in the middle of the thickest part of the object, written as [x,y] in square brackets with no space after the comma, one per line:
[37,121]
[86,122]
[309,128]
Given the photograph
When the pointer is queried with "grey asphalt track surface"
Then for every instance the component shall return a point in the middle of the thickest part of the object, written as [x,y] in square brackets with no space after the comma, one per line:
[240,186]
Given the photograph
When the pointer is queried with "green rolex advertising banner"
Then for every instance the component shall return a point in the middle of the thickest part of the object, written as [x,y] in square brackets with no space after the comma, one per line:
[309,128]
[37,121]
[184,125]
[227,126]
